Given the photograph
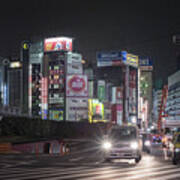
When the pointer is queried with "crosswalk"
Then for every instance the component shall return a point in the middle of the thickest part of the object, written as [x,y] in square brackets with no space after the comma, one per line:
[104,171]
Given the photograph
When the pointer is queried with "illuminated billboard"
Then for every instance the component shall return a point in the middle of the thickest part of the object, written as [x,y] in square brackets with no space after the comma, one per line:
[76,108]
[76,85]
[58,44]
[74,63]
[95,111]
[132,60]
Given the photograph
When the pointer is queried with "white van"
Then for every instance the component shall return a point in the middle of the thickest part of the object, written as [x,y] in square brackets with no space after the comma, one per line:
[123,142]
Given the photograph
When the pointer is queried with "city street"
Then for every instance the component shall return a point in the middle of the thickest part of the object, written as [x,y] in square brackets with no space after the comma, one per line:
[86,165]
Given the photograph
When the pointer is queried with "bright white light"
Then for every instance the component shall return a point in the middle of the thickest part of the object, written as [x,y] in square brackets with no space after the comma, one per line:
[147,143]
[16,64]
[177,150]
[58,39]
[133,119]
[107,145]
[152,127]
[134,145]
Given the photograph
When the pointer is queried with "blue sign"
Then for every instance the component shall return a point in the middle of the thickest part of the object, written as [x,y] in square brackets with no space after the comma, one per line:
[112,58]
[145,62]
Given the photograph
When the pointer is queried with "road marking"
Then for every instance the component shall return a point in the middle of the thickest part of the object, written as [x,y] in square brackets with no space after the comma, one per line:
[84,172]
[105,174]
[166,177]
[76,159]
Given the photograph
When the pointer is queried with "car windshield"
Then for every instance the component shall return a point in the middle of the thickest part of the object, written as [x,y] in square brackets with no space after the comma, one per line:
[123,133]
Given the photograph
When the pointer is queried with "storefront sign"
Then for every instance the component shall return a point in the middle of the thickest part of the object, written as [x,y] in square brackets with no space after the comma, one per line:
[76,109]
[76,85]
[58,44]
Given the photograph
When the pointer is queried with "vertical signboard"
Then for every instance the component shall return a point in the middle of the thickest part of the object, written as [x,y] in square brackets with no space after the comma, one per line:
[74,63]
[101,90]
[44,97]
[132,92]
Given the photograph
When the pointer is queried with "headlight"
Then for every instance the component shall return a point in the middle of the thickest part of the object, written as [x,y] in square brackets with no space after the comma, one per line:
[147,143]
[177,150]
[134,145]
[106,145]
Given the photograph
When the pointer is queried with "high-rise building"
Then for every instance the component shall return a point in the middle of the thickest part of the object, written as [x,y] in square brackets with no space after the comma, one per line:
[146,88]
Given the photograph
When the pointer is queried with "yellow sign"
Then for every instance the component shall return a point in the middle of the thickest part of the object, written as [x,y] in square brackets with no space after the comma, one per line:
[25,46]
[132,60]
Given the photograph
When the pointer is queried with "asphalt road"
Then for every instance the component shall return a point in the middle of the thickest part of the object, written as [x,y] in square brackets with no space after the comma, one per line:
[86,164]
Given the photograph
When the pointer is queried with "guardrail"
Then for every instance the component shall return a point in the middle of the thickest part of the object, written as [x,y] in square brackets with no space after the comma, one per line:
[45,147]
[5,147]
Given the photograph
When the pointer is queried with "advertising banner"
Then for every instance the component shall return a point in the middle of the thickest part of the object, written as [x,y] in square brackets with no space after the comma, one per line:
[76,109]
[132,60]
[57,115]
[76,86]
[101,90]
[145,64]
[114,58]
[58,44]
[74,64]
[36,52]
[44,97]
[35,58]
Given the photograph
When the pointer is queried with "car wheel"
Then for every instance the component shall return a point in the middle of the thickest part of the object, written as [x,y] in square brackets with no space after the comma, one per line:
[138,159]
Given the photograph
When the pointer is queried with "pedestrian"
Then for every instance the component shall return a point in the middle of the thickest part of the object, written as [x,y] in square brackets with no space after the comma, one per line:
[165,148]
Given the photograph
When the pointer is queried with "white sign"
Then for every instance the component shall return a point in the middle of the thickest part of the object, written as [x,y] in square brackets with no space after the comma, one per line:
[76,86]
[74,64]
[76,109]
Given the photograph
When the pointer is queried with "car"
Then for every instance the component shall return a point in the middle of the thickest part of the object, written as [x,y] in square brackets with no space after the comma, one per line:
[122,142]
[175,148]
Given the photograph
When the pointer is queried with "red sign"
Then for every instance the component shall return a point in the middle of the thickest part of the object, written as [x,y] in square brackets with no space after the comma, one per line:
[77,85]
[58,44]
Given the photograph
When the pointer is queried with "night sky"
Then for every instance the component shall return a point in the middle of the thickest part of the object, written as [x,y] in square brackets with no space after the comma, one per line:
[144,27]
